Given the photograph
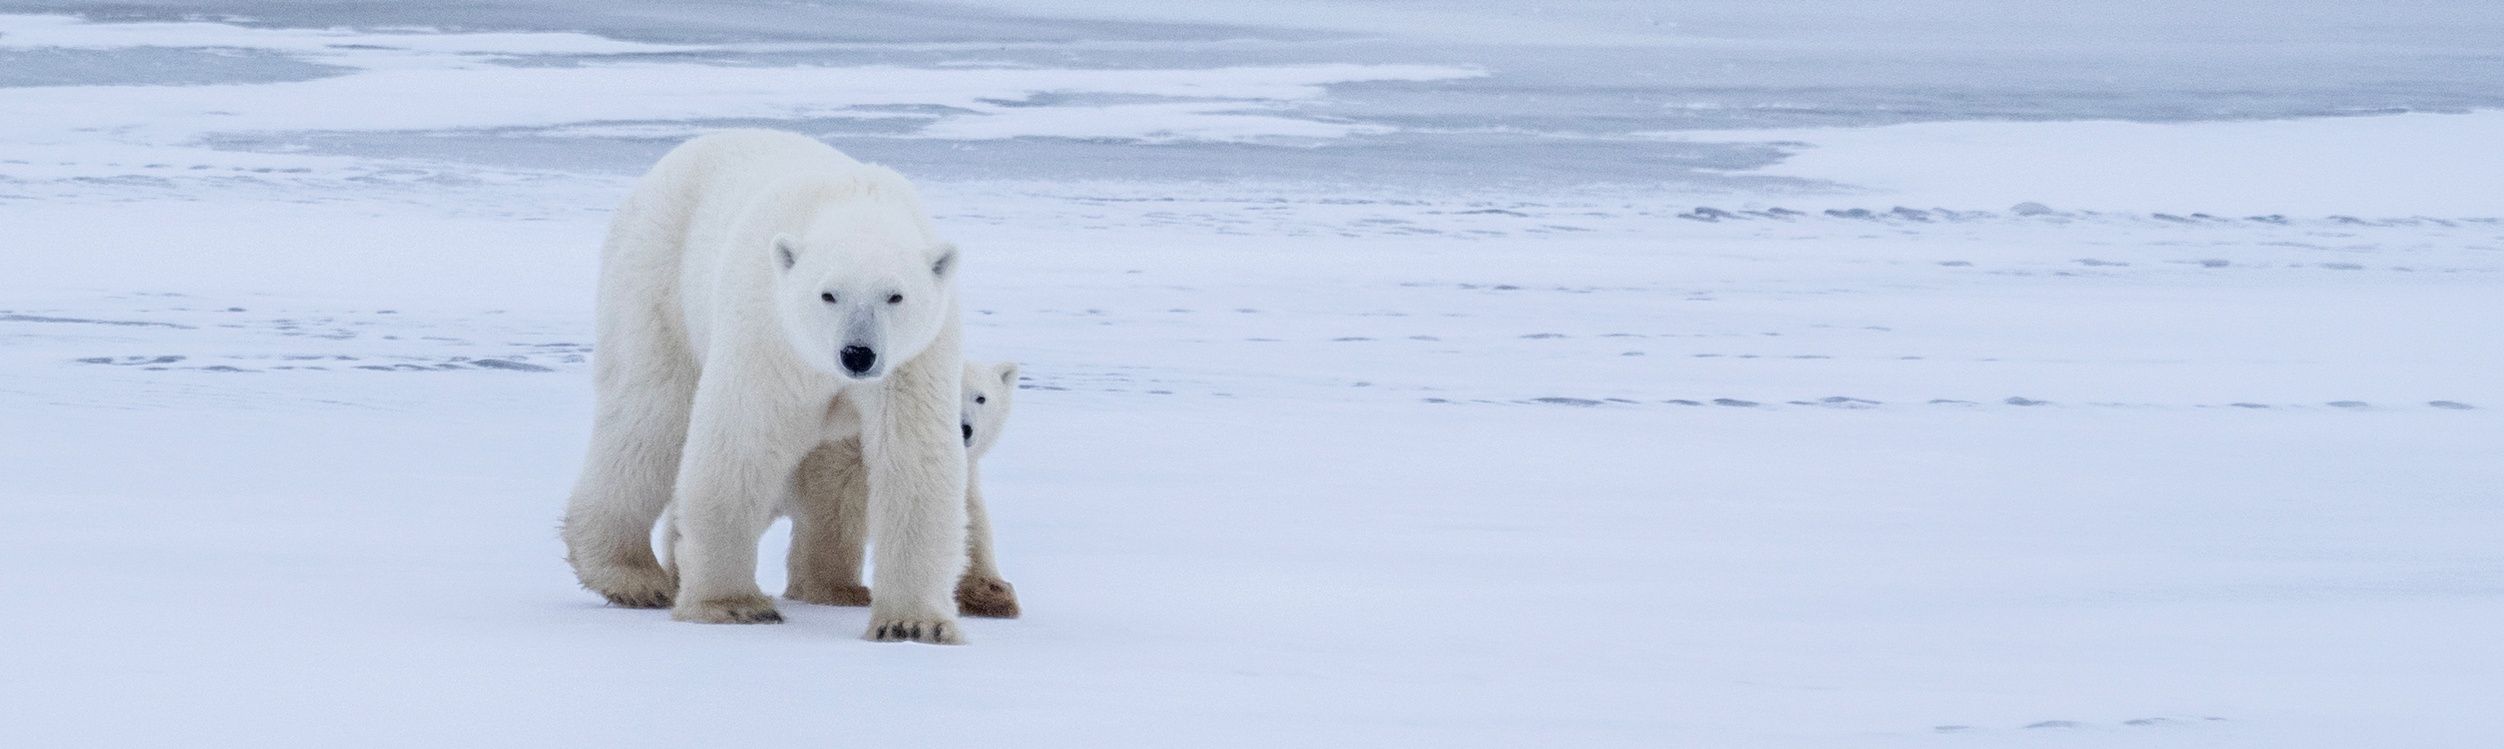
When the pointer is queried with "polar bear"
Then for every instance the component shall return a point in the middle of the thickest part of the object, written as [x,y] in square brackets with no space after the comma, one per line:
[982,592]
[757,288]
[829,503]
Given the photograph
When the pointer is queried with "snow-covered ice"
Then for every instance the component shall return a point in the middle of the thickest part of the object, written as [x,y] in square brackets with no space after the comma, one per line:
[1476,374]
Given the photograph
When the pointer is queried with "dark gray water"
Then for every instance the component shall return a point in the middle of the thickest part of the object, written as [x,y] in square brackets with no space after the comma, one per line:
[1553,109]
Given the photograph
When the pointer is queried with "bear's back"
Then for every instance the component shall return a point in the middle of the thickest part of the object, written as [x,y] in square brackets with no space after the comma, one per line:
[667,242]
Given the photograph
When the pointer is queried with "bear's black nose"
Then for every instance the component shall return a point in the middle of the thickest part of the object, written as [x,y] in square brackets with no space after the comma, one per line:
[969,433]
[858,359]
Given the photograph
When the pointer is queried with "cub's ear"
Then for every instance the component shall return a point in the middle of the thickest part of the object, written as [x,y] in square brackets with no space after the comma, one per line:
[1008,373]
[786,251]
[943,259]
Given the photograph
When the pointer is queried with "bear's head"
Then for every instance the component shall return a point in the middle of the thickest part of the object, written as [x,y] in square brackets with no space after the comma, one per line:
[858,295]
[989,389]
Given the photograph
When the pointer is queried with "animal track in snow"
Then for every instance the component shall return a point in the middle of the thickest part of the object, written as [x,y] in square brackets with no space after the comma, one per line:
[231,339]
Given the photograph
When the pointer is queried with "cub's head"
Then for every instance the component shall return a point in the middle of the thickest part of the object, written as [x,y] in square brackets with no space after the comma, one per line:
[859,294]
[989,388]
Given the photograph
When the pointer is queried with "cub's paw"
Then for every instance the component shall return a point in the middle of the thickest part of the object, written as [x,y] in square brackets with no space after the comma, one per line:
[933,631]
[634,588]
[734,610]
[828,595]
[988,597]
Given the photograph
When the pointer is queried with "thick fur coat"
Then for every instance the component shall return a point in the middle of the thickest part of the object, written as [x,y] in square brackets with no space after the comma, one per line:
[763,295]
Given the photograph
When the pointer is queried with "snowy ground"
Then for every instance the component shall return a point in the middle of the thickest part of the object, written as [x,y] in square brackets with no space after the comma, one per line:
[1384,388]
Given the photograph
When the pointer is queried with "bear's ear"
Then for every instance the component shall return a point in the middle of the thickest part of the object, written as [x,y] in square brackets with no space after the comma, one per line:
[1008,374]
[944,259]
[786,251]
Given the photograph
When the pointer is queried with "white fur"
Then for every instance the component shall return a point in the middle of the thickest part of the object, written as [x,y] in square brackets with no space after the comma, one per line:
[719,370]
[990,389]
[830,499]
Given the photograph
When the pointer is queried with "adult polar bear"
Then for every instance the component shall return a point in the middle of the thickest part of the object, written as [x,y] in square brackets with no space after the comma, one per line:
[756,289]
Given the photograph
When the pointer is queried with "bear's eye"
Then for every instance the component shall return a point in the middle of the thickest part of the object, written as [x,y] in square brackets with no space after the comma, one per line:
[979,400]
[827,297]
[895,298]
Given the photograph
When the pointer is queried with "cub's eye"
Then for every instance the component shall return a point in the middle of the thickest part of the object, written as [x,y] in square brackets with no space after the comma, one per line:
[827,297]
[980,399]
[895,298]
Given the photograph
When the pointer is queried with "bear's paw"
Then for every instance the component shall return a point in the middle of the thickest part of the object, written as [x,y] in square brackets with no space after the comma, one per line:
[734,610]
[933,631]
[647,587]
[827,594]
[987,597]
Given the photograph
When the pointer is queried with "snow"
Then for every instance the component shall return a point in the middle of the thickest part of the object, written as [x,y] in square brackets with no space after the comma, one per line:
[1352,417]
[2391,165]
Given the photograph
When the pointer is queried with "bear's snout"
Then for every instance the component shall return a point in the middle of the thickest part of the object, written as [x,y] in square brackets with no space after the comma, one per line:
[969,433]
[858,359]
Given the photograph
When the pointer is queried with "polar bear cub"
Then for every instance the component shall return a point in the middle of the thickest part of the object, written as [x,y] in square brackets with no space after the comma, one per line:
[828,506]
[982,592]
[756,289]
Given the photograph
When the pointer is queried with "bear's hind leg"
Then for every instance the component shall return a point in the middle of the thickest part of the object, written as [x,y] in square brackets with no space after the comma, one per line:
[829,527]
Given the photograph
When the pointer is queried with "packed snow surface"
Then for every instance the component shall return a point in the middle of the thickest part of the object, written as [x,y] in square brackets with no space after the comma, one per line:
[1397,374]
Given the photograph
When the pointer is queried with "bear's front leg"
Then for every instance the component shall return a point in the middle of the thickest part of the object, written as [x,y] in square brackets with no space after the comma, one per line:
[741,451]
[628,475]
[981,592]
[915,453]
